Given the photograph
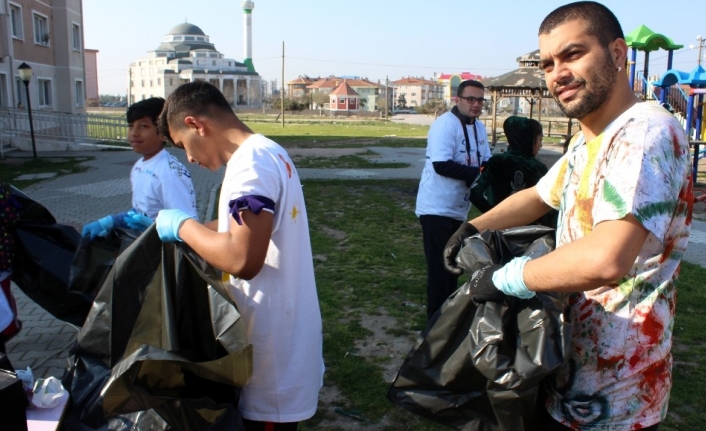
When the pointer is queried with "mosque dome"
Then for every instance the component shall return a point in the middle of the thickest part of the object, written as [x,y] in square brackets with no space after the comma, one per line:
[186,28]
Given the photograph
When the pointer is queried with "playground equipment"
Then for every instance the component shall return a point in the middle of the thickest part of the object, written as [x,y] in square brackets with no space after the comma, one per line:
[681,92]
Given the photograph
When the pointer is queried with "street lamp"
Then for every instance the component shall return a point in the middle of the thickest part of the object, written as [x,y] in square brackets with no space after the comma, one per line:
[25,75]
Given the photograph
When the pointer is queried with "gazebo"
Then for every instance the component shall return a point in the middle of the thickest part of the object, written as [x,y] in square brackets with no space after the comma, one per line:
[526,81]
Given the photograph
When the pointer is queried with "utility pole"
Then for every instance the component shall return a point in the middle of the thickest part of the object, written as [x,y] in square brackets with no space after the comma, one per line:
[281,95]
[701,41]
[387,97]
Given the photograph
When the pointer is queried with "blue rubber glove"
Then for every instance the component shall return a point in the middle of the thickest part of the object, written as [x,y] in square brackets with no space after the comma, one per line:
[98,228]
[137,221]
[168,224]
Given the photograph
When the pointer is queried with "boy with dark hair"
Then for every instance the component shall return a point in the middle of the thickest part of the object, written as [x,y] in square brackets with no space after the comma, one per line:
[261,243]
[158,179]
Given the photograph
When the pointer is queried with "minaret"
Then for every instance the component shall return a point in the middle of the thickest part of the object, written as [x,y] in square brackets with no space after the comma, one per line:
[248,6]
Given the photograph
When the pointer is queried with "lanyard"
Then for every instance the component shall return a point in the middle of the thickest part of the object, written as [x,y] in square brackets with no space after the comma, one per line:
[468,143]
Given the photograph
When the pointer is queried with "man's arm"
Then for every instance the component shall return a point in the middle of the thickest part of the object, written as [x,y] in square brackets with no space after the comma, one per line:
[241,251]
[519,209]
[598,259]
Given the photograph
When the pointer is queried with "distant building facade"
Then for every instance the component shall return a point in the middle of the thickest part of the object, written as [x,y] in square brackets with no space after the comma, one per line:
[417,91]
[450,83]
[91,61]
[186,55]
[48,36]
[368,92]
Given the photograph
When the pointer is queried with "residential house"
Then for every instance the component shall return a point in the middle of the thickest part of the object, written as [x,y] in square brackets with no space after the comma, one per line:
[297,88]
[344,99]
[417,91]
[367,91]
[48,36]
[186,54]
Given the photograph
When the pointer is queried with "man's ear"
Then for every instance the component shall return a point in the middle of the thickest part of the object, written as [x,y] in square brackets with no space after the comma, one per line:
[196,124]
[619,52]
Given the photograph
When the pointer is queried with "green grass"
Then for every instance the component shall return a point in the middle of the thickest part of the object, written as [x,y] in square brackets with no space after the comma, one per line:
[11,168]
[363,160]
[338,133]
[368,254]
[687,406]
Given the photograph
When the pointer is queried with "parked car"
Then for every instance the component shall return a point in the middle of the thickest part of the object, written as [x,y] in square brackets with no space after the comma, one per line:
[404,111]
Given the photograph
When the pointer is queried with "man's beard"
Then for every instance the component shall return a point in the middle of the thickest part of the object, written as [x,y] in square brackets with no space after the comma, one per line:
[594,94]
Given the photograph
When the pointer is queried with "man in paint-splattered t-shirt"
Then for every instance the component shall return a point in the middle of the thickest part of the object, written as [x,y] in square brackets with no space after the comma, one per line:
[623,191]
[620,365]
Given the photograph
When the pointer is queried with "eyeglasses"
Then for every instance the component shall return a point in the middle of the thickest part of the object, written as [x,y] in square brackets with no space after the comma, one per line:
[472,100]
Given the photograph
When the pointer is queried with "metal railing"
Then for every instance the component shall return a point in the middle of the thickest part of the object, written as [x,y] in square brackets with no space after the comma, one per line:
[57,126]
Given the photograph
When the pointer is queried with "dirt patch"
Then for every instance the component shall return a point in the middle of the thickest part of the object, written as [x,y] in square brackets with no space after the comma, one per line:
[382,347]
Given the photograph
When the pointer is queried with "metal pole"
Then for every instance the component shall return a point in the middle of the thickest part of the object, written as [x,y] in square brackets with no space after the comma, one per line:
[31,126]
[281,96]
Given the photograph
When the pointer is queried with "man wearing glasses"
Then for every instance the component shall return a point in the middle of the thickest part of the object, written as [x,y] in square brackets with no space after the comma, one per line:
[457,146]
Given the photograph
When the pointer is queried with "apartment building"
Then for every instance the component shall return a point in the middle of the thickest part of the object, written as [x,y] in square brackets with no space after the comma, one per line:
[416,91]
[48,36]
[186,54]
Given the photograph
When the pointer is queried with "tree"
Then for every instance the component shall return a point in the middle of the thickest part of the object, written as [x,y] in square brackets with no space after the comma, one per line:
[320,99]
[435,107]
[401,102]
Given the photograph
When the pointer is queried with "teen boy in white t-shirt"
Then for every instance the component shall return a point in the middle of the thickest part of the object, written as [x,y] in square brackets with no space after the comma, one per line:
[159,181]
[261,243]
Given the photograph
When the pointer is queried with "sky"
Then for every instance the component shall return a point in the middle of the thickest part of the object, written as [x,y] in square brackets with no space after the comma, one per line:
[373,39]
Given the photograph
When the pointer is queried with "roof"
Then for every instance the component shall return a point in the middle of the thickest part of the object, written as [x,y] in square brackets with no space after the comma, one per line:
[523,77]
[644,39]
[303,80]
[527,76]
[186,28]
[333,82]
[414,81]
[344,90]
[463,75]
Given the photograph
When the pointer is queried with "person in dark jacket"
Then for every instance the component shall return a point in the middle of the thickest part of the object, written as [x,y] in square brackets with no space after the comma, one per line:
[514,170]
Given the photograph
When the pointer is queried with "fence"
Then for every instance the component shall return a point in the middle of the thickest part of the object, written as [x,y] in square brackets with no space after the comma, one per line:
[57,126]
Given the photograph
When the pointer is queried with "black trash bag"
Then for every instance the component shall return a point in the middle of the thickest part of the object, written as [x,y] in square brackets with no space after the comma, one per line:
[163,346]
[43,254]
[57,268]
[478,366]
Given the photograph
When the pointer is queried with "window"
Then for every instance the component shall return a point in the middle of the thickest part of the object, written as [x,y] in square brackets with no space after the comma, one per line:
[16,21]
[342,101]
[77,37]
[188,37]
[213,62]
[79,94]
[142,83]
[3,95]
[44,89]
[171,81]
[159,81]
[41,29]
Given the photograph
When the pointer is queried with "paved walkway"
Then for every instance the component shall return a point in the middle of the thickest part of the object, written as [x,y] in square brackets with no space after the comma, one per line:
[80,198]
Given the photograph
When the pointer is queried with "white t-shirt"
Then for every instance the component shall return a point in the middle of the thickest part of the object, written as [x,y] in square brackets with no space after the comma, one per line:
[280,305]
[162,182]
[444,196]
[619,371]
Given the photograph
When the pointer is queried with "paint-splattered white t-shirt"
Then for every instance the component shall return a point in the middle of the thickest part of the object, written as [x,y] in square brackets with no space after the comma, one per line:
[619,372]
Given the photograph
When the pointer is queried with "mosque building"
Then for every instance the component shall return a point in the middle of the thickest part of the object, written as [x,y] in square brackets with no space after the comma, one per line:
[186,55]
